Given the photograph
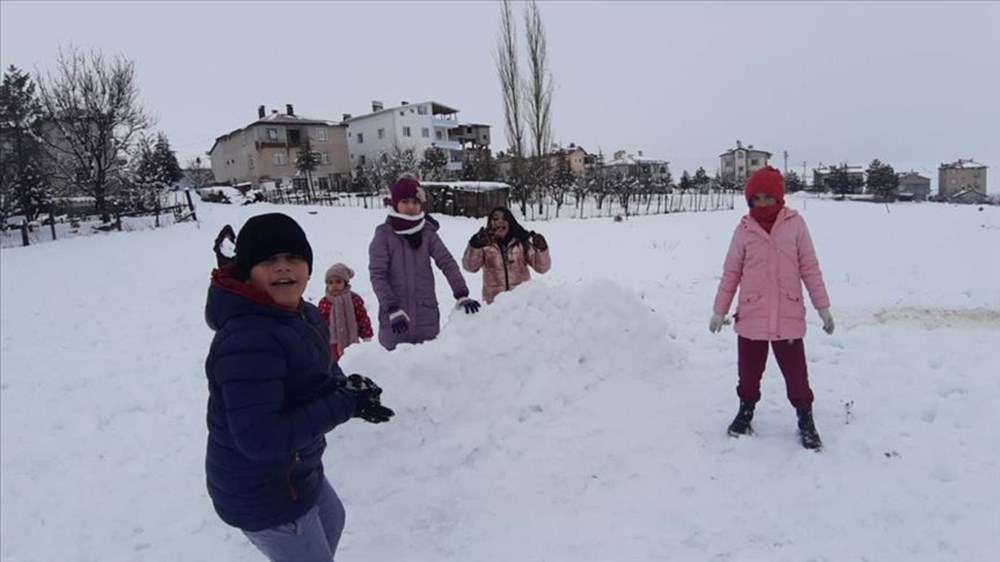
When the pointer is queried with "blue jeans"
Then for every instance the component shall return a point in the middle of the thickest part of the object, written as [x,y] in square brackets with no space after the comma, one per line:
[310,538]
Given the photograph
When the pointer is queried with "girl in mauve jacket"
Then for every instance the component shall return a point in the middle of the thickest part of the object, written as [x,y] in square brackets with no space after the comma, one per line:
[505,251]
[399,263]
[770,257]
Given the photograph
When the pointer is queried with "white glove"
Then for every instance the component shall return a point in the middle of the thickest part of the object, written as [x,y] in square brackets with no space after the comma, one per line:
[717,322]
[828,326]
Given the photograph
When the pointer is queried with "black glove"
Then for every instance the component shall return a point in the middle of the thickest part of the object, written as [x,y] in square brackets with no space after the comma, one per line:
[369,395]
[480,239]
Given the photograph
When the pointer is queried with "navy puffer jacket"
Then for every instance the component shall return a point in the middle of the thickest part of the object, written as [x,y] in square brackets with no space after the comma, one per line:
[274,392]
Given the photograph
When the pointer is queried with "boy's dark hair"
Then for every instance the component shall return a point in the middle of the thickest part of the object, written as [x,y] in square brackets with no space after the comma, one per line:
[266,235]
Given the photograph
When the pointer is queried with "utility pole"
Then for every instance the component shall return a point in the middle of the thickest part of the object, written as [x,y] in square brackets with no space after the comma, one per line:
[785,154]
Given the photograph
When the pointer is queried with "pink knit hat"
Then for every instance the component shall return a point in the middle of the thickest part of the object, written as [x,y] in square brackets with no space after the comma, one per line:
[339,270]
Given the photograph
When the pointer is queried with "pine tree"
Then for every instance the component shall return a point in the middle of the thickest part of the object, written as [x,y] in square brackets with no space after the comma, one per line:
[434,166]
[792,182]
[169,171]
[882,181]
[838,181]
[700,180]
[306,162]
[685,181]
[24,184]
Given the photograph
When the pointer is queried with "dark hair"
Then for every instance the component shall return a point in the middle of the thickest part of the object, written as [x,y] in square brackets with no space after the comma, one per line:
[514,229]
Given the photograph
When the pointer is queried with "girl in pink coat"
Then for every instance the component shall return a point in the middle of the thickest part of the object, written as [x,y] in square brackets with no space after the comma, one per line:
[505,251]
[770,257]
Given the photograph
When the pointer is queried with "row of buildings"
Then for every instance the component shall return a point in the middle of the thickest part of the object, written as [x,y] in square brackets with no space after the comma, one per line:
[265,151]
[961,181]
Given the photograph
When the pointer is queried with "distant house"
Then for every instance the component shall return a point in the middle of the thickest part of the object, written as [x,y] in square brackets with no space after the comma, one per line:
[968,196]
[575,156]
[416,127]
[856,175]
[466,198]
[266,150]
[914,186]
[960,176]
[637,166]
[738,164]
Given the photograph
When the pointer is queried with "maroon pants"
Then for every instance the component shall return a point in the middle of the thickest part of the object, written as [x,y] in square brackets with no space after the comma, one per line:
[791,356]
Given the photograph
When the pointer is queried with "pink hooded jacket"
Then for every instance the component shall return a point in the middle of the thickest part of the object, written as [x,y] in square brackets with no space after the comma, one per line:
[770,269]
[501,275]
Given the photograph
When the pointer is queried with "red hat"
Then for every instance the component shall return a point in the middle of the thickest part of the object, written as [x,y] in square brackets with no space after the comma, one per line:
[766,180]
[406,187]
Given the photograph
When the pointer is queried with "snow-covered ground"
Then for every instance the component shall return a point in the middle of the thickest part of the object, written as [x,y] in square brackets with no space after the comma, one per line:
[581,417]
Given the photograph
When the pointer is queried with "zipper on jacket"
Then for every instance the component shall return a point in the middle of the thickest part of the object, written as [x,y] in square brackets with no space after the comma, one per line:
[506,274]
[288,477]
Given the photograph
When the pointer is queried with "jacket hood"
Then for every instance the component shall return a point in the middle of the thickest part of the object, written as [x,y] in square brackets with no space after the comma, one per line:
[229,297]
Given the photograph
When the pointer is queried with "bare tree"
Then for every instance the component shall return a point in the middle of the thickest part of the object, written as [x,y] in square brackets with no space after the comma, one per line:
[538,90]
[94,118]
[510,80]
[508,70]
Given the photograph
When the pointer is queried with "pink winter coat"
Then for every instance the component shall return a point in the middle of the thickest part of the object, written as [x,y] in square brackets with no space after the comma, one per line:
[770,269]
[504,269]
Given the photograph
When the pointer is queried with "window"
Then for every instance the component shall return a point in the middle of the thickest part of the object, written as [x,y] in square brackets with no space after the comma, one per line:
[324,184]
[272,134]
[422,110]
[361,138]
[381,133]
[361,159]
[425,132]
[279,159]
[402,113]
[250,162]
[406,131]
[754,162]
[325,158]
[438,135]
[321,134]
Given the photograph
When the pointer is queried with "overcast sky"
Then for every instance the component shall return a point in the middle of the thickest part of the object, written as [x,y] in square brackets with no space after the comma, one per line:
[911,83]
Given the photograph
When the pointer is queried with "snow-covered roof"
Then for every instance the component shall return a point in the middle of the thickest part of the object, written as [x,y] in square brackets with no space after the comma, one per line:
[436,109]
[629,160]
[468,185]
[284,118]
[823,170]
[963,164]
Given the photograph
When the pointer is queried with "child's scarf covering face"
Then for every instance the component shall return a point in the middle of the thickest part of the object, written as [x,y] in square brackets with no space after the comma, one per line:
[766,180]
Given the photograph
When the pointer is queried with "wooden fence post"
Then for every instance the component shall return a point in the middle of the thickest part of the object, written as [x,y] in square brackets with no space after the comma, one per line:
[24,233]
[52,224]
[187,193]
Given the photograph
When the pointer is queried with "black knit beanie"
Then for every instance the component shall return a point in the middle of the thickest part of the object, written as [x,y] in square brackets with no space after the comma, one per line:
[266,235]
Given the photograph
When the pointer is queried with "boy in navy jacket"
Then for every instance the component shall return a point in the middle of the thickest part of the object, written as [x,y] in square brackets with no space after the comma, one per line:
[274,391]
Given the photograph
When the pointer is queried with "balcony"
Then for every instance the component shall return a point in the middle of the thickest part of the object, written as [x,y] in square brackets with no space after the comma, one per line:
[448,121]
[447,144]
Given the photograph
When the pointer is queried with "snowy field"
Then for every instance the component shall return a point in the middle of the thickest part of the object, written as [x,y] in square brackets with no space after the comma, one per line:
[581,417]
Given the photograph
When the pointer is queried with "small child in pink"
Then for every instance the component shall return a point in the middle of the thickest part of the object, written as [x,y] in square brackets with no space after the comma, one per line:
[344,311]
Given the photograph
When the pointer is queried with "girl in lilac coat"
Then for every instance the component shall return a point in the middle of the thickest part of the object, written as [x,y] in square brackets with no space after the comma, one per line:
[400,257]
[771,255]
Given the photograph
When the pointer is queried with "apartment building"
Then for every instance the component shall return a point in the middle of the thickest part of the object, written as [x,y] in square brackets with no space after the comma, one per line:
[738,164]
[265,151]
[961,175]
[412,126]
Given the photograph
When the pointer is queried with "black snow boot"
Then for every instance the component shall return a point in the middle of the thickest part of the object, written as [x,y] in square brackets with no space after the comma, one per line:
[741,423]
[807,429]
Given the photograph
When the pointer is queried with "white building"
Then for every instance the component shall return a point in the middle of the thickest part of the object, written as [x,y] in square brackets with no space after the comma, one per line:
[416,126]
